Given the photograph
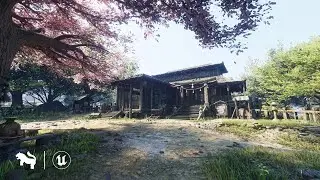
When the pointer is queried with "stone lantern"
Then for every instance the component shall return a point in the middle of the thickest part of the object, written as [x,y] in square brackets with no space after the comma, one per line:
[274,110]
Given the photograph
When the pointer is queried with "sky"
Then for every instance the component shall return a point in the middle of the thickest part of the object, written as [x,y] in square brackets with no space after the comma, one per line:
[294,22]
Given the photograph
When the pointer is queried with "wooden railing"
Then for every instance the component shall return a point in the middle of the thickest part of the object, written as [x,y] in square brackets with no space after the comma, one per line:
[308,115]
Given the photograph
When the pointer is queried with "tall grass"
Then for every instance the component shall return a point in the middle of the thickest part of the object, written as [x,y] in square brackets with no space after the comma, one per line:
[293,140]
[258,163]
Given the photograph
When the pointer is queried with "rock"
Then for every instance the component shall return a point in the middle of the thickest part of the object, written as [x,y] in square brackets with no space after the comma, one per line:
[48,140]
[303,134]
[161,152]
[310,173]
[268,127]
[234,144]
[181,129]
[30,132]
[195,153]
[95,115]
[200,152]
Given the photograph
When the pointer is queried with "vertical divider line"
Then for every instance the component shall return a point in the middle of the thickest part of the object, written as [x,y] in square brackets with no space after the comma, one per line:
[44,160]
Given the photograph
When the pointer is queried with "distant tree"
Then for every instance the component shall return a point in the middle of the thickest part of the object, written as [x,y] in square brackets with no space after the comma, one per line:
[58,32]
[288,74]
[41,83]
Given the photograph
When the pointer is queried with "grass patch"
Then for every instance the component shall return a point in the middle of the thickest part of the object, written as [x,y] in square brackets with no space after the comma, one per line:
[241,131]
[259,163]
[77,144]
[300,142]
[271,123]
[48,116]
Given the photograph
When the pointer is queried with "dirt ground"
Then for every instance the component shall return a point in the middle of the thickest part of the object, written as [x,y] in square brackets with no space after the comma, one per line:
[152,149]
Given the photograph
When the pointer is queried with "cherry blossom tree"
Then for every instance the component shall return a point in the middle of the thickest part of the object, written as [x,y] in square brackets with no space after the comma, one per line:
[59,33]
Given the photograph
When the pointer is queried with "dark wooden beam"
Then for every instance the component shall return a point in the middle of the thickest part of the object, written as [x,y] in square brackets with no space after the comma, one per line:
[151,96]
[141,97]
[206,95]
[130,102]
[118,97]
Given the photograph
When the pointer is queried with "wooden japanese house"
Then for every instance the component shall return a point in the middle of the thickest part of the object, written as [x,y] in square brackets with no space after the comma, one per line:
[181,91]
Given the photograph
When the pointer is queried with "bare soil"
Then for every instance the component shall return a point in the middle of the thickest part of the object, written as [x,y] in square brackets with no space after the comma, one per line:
[152,149]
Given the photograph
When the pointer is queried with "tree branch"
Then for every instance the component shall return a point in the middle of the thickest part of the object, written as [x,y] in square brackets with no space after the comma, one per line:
[58,49]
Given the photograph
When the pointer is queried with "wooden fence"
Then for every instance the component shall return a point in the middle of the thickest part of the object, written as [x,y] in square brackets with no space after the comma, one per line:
[307,115]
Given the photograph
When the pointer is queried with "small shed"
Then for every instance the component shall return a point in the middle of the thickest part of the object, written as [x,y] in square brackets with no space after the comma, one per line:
[82,104]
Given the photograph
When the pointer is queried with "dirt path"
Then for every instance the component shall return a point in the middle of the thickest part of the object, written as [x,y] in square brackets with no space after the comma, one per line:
[158,149]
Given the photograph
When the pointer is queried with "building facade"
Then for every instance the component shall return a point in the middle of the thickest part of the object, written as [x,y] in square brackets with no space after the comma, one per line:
[166,94]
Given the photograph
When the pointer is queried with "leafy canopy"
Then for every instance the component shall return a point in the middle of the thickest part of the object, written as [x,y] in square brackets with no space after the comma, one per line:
[60,32]
[289,73]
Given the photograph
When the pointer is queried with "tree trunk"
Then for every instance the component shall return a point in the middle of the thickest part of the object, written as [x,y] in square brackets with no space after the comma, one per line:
[8,45]
[17,98]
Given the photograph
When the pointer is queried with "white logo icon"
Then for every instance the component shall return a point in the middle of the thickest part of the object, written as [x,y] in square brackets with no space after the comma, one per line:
[61,160]
[25,159]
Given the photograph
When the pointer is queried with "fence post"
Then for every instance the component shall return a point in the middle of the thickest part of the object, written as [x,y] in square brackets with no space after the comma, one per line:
[275,110]
[285,113]
[295,115]
[305,115]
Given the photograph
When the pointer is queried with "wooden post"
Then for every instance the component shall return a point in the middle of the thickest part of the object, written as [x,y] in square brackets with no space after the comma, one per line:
[206,95]
[151,96]
[182,96]
[122,98]
[266,114]
[118,97]
[305,115]
[228,90]
[130,102]
[141,97]
[284,113]
[314,116]
[275,115]
[236,109]
[249,109]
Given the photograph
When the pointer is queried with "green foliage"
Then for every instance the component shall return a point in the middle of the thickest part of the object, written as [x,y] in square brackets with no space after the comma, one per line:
[41,82]
[259,163]
[288,73]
